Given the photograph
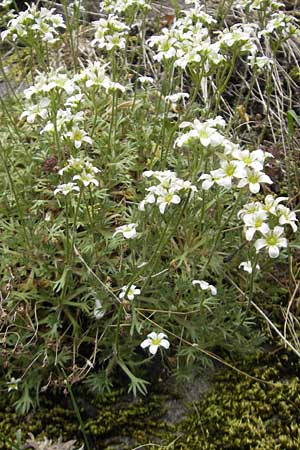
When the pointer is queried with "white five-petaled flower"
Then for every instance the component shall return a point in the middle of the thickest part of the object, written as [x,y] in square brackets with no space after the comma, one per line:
[131,292]
[65,189]
[86,178]
[154,341]
[273,241]
[272,203]
[247,266]
[204,285]
[255,222]
[209,180]
[39,109]
[286,216]
[204,131]
[165,198]
[128,231]
[78,136]
[253,179]
[228,171]
[254,159]
[13,384]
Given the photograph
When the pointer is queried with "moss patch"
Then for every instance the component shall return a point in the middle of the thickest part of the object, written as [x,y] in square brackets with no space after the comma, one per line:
[239,414]
[244,414]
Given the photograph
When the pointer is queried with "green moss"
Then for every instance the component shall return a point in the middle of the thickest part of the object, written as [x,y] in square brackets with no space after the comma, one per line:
[241,413]
[244,414]
[295,73]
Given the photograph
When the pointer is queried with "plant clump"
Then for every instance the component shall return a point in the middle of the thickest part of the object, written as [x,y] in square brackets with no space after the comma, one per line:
[138,214]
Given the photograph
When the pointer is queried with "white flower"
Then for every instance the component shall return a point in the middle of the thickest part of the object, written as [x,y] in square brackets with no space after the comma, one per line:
[86,179]
[286,216]
[65,189]
[209,180]
[228,170]
[204,131]
[272,241]
[36,110]
[261,62]
[253,179]
[154,341]
[132,292]
[250,208]
[145,80]
[13,384]
[98,310]
[78,136]
[5,3]
[110,33]
[204,285]
[247,267]
[271,203]
[128,231]
[254,159]
[166,198]
[174,98]
[255,222]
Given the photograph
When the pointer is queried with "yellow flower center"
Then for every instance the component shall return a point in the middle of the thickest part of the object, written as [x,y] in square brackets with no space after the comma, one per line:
[272,240]
[230,170]
[168,198]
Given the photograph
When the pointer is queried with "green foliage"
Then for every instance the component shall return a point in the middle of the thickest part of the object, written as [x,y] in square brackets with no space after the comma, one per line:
[88,149]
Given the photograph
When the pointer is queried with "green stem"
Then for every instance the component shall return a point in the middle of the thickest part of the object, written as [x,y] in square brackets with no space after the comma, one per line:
[77,411]
[20,210]
[219,232]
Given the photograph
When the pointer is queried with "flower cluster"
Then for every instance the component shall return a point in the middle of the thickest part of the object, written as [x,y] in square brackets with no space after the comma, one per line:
[121,6]
[258,5]
[110,33]
[71,91]
[242,36]
[280,23]
[166,192]
[54,80]
[95,75]
[68,122]
[205,132]
[82,171]
[188,41]
[268,219]
[35,24]
[243,167]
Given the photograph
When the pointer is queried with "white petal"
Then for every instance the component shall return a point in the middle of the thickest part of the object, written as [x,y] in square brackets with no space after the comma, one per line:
[254,187]
[153,349]
[164,343]
[161,336]
[273,251]
[259,244]
[152,335]
[250,233]
[176,199]
[213,289]
[146,343]
[162,207]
